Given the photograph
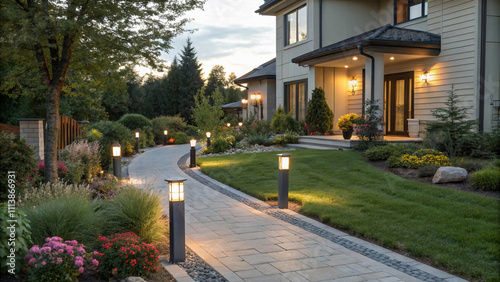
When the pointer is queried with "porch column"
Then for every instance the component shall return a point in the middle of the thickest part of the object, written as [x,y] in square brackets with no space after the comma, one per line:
[378,78]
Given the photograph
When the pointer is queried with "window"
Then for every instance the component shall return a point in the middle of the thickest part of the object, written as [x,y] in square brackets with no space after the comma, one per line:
[406,10]
[296,26]
[296,99]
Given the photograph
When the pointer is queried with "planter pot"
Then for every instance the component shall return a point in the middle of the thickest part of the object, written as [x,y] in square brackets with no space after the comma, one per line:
[413,127]
[347,134]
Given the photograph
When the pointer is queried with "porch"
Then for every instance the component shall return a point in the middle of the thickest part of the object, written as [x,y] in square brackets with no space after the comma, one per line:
[334,142]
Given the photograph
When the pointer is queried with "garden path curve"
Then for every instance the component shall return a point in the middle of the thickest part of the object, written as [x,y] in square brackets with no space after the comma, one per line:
[246,240]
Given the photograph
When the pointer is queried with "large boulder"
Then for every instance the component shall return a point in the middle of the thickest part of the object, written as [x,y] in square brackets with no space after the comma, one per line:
[446,174]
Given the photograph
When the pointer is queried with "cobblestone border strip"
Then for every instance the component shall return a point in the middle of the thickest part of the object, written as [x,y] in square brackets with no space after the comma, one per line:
[377,256]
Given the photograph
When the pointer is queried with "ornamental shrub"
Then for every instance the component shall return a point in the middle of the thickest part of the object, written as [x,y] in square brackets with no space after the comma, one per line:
[221,144]
[475,145]
[125,254]
[412,161]
[394,161]
[487,179]
[139,211]
[20,242]
[283,122]
[380,153]
[61,169]
[346,122]
[319,116]
[179,137]
[251,126]
[286,139]
[259,139]
[422,152]
[58,261]
[470,165]
[135,121]
[105,188]
[368,128]
[83,157]
[111,132]
[15,155]
[38,195]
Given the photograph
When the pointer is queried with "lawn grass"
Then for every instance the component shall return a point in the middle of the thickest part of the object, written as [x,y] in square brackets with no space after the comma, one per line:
[456,231]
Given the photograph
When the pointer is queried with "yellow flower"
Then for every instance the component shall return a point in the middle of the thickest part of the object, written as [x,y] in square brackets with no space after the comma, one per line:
[345,122]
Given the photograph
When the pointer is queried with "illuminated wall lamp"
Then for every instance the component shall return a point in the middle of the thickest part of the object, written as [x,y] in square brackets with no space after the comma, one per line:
[425,77]
[352,84]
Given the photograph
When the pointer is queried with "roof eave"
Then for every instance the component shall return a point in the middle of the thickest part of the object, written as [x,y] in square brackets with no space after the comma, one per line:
[255,78]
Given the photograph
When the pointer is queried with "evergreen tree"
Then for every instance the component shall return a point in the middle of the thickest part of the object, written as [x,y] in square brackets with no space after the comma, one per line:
[319,116]
[190,82]
[233,91]
[216,80]
[171,86]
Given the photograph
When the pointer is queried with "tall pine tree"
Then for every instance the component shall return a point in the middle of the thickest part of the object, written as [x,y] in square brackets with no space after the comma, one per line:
[190,82]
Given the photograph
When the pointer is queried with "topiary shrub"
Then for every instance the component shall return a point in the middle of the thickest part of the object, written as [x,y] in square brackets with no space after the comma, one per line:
[487,179]
[111,132]
[15,155]
[135,121]
[319,116]
[170,123]
[283,122]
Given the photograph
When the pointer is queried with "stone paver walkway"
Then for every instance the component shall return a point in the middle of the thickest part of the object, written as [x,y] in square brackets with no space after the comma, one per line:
[245,243]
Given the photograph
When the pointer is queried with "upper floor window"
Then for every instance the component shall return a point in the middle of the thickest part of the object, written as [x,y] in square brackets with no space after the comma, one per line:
[406,10]
[296,26]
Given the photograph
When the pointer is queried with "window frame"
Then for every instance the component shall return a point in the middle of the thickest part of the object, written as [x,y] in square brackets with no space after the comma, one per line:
[297,104]
[286,29]
[423,15]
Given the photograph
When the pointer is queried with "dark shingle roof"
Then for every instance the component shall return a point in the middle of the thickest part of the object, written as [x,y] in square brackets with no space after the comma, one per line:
[265,71]
[234,105]
[383,36]
[267,4]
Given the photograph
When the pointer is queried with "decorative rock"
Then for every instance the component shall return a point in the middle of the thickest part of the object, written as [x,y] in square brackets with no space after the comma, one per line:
[447,174]
[134,279]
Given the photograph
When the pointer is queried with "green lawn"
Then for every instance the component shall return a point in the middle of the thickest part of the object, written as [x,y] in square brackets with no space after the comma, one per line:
[457,231]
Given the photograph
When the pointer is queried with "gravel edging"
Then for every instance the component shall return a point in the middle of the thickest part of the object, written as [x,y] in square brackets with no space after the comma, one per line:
[273,211]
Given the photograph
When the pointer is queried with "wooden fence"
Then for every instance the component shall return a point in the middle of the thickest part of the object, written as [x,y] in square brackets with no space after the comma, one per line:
[70,130]
[10,129]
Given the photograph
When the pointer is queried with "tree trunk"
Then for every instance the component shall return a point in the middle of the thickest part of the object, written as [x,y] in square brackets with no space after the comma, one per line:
[52,135]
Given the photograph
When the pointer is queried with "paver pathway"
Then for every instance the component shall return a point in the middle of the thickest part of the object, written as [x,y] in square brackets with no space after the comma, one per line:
[246,240]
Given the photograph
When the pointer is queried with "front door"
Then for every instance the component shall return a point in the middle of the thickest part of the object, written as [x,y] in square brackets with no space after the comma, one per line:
[398,102]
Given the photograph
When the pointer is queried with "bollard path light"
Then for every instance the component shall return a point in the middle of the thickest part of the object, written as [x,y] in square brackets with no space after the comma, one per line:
[177,220]
[117,160]
[284,168]
[137,139]
[193,153]
[165,132]
[228,124]
[208,139]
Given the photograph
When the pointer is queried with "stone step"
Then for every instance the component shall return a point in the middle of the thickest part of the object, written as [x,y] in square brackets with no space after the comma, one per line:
[326,142]
[311,147]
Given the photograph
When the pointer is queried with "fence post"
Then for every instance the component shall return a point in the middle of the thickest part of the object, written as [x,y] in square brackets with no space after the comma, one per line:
[31,129]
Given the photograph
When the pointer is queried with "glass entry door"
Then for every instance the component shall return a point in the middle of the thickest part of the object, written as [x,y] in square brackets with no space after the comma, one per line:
[398,102]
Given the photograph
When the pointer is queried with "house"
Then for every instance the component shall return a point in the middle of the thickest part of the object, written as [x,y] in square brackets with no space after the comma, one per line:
[261,85]
[403,54]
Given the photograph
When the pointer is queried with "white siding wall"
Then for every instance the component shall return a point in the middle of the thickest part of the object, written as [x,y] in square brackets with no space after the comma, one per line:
[492,66]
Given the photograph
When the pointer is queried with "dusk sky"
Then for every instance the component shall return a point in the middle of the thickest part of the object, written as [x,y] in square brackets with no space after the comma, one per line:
[229,33]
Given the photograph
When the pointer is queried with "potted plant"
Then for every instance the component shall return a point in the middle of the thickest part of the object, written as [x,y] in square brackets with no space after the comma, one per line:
[345,123]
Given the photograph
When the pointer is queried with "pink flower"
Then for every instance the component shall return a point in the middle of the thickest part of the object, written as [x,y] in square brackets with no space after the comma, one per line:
[32,260]
[80,269]
[80,249]
[44,263]
[34,249]
[95,262]
[61,251]
[79,262]
[59,260]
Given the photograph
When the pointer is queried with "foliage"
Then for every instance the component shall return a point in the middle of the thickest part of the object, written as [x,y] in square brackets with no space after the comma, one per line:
[451,125]
[124,255]
[487,179]
[475,145]
[207,112]
[217,81]
[456,230]
[319,116]
[368,128]
[380,153]
[58,39]
[111,132]
[346,122]
[179,137]
[233,91]
[105,188]
[221,144]
[61,168]
[72,217]
[253,126]
[259,139]
[135,121]
[412,161]
[84,160]
[495,140]
[58,261]
[470,165]
[93,135]
[48,191]
[170,123]
[286,139]
[19,243]
[393,161]
[427,170]
[15,155]
[192,132]
[422,152]
[138,211]
[283,122]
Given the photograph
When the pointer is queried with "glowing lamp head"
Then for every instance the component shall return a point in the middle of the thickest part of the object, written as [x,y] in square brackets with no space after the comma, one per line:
[208,134]
[137,134]
[192,142]
[258,97]
[425,77]
[117,150]
[284,161]
[353,83]
[175,189]
[165,132]
[252,97]
[240,124]
[228,124]
[244,101]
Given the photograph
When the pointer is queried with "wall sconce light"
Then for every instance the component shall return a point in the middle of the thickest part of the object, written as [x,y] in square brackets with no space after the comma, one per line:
[353,83]
[244,103]
[284,168]
[176,212]
[425,77]
[137,140]
[255,99]
[208,138]
[117,160]
[193,153]
[165,132]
